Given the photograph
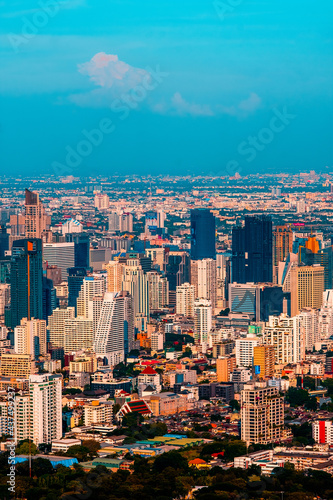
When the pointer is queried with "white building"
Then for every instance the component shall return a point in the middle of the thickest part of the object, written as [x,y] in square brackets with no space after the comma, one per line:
[126,223]
[98,413]
[135,282]
[60,255]
[92,287]
[325,316]
[39,415]
[115,331]
[56,326]
[101,201]
[202,321]
[244,350]
[71,226]
[79,334]
[203,277]
[157,341]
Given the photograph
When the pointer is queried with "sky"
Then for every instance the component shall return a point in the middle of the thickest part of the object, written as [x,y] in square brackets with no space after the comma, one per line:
[90,87]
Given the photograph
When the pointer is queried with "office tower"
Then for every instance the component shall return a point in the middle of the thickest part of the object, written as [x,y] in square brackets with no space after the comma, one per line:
[158,291]
[202,234]
[252,251]
[224,368]
[282,243]
[203,277]
[26,278]
[115,331]
[306,287]
[76,276]
[92,286]
[262,414]
[36,220]
[244,350]
[49,298]
[5,265]
[78,334]
[101,201]
[202,321]
[81,249]
[114,270]
[17,365]
[177,271]
[135,282]
[60,255]
[56,325]
[156,256]
[185,297]
[4,241]
[223,349]
[312,254]
[30,337]
[264,360]
[308,322]
[257,300]
[113,222]
[126,223]
[42,422]
[71,226]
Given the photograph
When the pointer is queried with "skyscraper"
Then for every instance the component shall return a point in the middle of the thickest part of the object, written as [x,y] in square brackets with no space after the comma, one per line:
[202,234]
[135,282]
[36,220]
[185,300]
[177,270]
[203,277]
[306,287]
[282,243]
[202,321]
[252,251]
[60,255]
[115,331]
[76,276]
[311,254]
[81,248]
[30,337]
[158,291]
[26,278]
[262,414]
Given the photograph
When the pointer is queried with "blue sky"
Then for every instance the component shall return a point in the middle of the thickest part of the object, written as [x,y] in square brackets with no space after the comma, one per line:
[227,68]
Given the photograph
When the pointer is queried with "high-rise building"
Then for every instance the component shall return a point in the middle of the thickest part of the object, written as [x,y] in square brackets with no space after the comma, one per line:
[177,270]
[60,255]
[92,286]
[202,234]
[262,414]
[115,331]
[244,349]
[224,367]
[78,334]
[158,291]
[26,279]
[39,415]
[49,298]
[30,337]
[264,360]
[56,325]
[126,223]
[282,243]
[101,201]
[287,335]
[252,251]
[203,277]
[312,254]
[76,276]
[36,220]
[156,256]
[202,321]
[258,300]
[114,270]
[325,316]
[135,282]
[113,222]
[306,287]
[81,248]
[185,297]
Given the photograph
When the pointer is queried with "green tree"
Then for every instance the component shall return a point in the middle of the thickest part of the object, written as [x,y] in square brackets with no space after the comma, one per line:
[92,445]
[24,448]
[234,404]
[171,459]
[78,451]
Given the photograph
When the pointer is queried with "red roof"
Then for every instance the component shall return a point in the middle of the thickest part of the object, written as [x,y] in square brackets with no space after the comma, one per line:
[148,371]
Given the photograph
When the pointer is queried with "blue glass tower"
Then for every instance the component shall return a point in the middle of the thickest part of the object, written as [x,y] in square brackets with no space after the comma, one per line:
[202,234]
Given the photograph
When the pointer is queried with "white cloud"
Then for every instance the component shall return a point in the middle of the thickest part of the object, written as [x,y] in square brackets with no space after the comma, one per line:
[113,78]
